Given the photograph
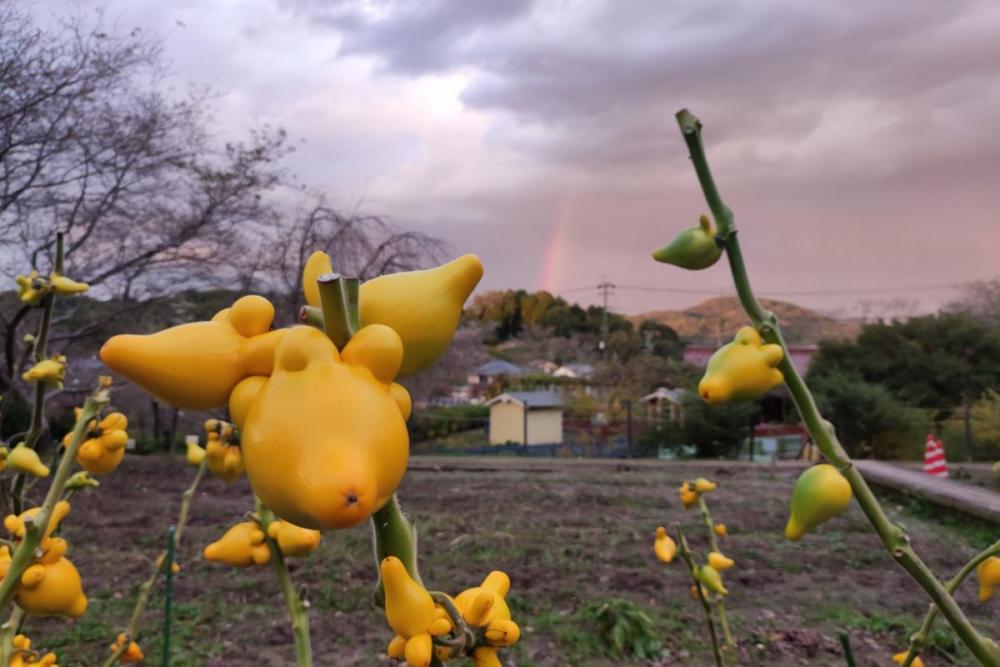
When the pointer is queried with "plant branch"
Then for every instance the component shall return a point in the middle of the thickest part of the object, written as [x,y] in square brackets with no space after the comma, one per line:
[714,542]
[298,608]
[339,299]
[25,551]
[893,537]
[919,639]
[688,557]
[158,567]
[393,535]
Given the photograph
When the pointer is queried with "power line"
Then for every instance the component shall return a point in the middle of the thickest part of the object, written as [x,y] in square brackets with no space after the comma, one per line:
[833,292]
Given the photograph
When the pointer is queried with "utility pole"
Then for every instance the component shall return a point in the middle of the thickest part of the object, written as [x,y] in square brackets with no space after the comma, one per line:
[605,289]
[628,429]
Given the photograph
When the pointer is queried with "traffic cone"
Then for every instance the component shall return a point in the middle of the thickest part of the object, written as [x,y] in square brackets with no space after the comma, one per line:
[934,462]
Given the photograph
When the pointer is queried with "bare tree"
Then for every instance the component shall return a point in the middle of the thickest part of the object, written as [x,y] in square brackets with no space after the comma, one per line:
[90,147]
[358,244]
[981,299]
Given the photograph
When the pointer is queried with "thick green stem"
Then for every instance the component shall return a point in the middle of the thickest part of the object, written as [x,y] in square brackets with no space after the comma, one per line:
[845,641]
[719,604]
[685,552]
[159,566]
[25,551]
[7,634]
[393,535]
[297,608]
[311,316]
[919,639]
[893,537]
[339,298]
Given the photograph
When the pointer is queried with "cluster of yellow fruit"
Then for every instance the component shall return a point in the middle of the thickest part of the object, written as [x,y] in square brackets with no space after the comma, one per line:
[104,448]
[23,655]
[223,455]
[322,431]
[132,652]
[708,574]
[51,584]
[424,629]
[244,544]
[34,287]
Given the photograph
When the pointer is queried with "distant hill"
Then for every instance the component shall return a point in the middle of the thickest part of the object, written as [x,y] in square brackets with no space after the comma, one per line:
[717,319]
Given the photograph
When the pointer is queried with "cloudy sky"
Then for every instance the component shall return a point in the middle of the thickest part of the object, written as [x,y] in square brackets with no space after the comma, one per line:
[857,142]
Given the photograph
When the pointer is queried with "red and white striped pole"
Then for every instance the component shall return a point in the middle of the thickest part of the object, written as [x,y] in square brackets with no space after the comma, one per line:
[934,462]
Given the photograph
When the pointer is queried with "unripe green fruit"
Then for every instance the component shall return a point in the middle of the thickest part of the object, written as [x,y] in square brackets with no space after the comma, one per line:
[820,493]
[694,248]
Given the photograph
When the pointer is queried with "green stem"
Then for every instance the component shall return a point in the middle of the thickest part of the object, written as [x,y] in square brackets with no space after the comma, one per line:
[159,566]
[25,551]
[312,316]
[919,639]
[7,633]
[845,641]
[394,535]
[297,608]
[685,553]
[339,298]
[893,537]
[719,604]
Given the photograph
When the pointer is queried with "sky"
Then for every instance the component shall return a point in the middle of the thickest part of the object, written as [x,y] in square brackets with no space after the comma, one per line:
[857,142]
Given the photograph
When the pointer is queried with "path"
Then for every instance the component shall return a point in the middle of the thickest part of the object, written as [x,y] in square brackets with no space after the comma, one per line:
[973,500]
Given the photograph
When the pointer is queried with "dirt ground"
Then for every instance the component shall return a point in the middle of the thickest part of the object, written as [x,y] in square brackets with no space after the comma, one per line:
[572,535]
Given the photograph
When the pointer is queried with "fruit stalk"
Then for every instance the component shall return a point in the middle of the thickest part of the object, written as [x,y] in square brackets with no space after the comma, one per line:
[25,551]
[713,541]
[341,315]
[38,354]
[919,638]
[297,607]
[158,566]
[685,552]
[393,535]
[893,537]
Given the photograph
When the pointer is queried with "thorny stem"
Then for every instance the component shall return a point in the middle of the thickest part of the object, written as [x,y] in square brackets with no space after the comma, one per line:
[719,604]
[685,551]
[298,608]
[158,567]
[919,639]
[895,540]
[34,530]
[466,633]
[38,406]
[7,633]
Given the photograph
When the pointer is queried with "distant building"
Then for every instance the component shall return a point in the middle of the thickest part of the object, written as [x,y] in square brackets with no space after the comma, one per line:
[526,417]
[575,371]
[486,374]
[665,401]
[801,355]
[543,366]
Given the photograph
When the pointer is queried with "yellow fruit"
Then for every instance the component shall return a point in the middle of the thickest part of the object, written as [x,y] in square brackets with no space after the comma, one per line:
[64,286]
[689,497]
[423,307]
[820,493]
[195,453]
[25,460]
[989,577]
[48,588]
[702,485]
[485,606]
[323,439]
[742,370]
[410,612]
[49,371]
[721,530]
[104,449]
[694,248]
[720,562]
[900,657]
[243,545]
[22,655]
[664,547]
[131,654]
[15,523]
[292,540]
[196,365]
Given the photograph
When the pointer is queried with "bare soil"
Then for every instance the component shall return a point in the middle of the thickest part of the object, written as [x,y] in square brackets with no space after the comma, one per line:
[571,534]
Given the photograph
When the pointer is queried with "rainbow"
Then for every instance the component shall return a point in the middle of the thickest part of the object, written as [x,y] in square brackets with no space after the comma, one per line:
[554,248]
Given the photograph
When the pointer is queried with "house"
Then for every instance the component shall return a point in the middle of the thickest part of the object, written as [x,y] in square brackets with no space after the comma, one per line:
[526,417]
[575,371]
[665,401]
[488,373]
